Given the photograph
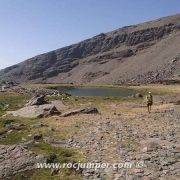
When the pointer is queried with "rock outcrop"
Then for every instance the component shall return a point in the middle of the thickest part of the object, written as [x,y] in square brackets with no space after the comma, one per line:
[35,111]
[37,100]
[37,107]
[87,110]
[15,159]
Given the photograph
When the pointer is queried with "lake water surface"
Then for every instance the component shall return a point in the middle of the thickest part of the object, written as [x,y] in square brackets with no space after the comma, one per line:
[97,91]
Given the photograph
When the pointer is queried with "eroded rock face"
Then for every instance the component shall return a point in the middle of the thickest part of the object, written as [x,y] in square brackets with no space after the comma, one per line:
[15,159]
[148,34]
[98,48]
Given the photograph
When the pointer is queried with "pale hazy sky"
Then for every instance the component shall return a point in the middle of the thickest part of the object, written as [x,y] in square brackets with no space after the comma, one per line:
[31,27]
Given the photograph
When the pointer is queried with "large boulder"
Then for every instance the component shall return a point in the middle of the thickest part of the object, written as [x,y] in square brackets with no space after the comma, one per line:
[90,110]
[59,105]
[36,111]
[37,100]
[15,159]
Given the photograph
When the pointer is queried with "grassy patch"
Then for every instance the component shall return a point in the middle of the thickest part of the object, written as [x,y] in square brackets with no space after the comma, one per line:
[4,122]
[158,89]
[13,100]
[14,137]
[64,155]
[49,86]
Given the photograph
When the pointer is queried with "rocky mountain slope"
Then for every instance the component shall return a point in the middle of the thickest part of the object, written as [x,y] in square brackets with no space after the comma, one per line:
[143,53]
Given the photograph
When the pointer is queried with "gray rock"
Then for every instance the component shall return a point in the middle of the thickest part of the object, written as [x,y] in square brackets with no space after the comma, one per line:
[80,111]
[138,95]
[59,105]
[17,159]
[35,111]
[38,137]
[146,157]
[150,145]
[37,100]
[38,125]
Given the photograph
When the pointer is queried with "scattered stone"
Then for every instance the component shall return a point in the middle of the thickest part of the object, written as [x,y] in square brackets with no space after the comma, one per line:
[15,126]
[138,95]
[16,159]
[177,102]
[38,125]
[36,91]
[138,171]
[38,137]
[150,145]
[24,139]
[145,157]
[10,131]
[51,129]
[91,110]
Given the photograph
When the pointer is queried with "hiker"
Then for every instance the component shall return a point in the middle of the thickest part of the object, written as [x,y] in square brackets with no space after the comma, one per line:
[149,100]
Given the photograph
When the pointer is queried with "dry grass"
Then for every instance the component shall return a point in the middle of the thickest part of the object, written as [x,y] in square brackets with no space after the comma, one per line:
[158,89]
[131,111]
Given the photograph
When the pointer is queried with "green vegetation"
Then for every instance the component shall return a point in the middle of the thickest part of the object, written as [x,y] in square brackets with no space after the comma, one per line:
[64,155]
[5,122]
[11,101]
[74,101]
[14,137]
[8,137]
[158,89]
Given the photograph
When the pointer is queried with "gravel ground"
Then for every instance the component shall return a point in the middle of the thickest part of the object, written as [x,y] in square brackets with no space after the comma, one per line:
[135,136]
